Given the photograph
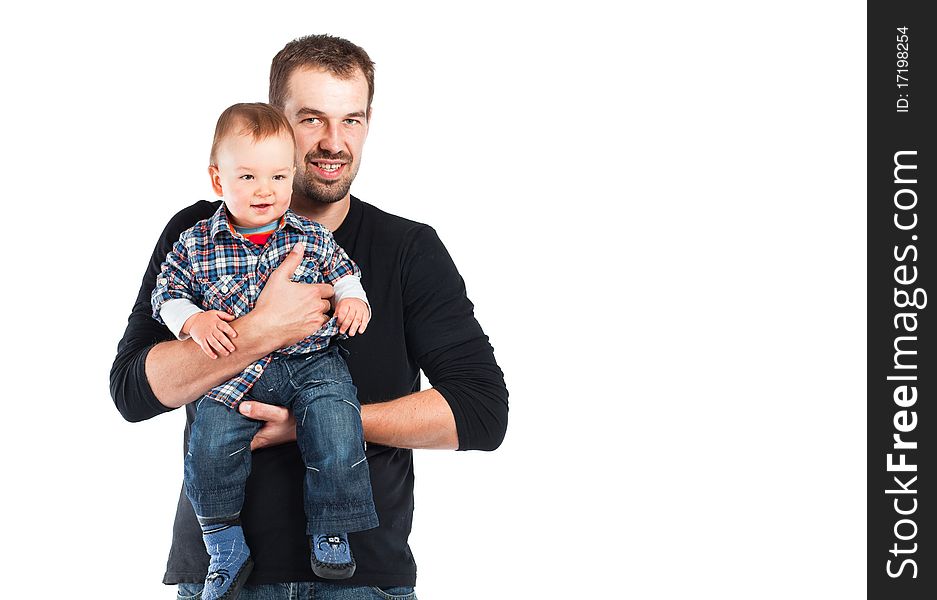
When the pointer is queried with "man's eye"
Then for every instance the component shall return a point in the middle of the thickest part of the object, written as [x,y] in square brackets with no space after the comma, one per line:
[352,121]
[311,120]
[246,177]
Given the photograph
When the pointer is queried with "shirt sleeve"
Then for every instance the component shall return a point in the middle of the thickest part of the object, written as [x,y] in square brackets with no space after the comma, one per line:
[450,346]
[349,286]
[334,262]
[174,313]
[175,280]
[130,389]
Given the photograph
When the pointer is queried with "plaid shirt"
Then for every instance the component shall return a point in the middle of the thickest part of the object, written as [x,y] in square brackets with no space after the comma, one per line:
[218,269]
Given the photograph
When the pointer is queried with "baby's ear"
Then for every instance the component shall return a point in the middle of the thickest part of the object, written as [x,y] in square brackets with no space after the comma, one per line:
[216,180]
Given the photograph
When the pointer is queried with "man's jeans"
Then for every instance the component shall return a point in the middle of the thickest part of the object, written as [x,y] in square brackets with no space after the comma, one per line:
[318,388]
[306,591]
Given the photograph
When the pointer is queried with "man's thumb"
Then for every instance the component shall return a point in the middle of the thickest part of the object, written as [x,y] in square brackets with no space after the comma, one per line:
[292,260]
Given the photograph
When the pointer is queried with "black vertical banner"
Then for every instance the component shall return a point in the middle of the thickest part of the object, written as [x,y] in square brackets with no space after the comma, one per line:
[902,241]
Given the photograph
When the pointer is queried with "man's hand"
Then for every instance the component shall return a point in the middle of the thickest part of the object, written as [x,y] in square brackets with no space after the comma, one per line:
[352,315]
[279,425]
[289,311]
[211,332]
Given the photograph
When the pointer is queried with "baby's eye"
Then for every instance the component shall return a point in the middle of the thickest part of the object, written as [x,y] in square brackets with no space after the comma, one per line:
[279,177]
[246,177]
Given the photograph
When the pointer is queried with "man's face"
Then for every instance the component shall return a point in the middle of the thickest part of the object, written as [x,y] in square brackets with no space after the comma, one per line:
[330,121]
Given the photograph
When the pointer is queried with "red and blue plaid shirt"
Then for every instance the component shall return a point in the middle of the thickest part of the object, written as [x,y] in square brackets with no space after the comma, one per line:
[218,269]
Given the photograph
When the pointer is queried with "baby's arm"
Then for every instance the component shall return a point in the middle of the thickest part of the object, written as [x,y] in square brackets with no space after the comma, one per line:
[173,304]
[174,313]
[173,297]
[210,330]
[352,310]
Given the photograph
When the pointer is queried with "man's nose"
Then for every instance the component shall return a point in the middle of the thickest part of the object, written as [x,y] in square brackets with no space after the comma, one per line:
[331,140]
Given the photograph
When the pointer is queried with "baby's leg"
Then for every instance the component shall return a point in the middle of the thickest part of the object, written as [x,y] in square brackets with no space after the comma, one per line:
[217,464]
[218,461]
[337,487]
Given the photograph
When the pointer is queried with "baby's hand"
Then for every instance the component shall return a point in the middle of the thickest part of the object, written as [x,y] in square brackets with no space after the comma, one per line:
[211,332]
[353,316]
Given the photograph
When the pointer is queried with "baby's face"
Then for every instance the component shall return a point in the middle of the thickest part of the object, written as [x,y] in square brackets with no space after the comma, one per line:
[254,177]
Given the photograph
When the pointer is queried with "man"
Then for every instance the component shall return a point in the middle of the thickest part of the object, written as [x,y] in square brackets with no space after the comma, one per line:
[422,319]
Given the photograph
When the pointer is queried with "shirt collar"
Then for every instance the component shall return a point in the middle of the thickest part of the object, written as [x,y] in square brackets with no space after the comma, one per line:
[219,222]
[293,220]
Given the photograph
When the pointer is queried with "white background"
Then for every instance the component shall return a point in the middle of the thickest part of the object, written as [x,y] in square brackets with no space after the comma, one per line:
[659,211]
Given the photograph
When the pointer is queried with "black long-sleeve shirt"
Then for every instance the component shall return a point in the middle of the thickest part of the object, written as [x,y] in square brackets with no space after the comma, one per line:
[422,320]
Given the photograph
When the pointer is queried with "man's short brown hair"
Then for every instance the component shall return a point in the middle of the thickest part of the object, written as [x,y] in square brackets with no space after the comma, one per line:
[255,119]
[336,55]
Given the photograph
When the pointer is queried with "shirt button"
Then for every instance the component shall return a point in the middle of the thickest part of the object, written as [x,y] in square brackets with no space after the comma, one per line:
[163,281]
[224,289]
[258,368]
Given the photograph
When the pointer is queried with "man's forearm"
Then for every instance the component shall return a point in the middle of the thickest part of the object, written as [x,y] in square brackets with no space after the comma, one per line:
[179,372]
[421,420]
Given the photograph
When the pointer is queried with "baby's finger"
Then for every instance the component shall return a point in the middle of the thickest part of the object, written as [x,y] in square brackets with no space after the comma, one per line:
[207,349]
[225,316]
[228,331]
[355,324]
[216,345]
[221,337]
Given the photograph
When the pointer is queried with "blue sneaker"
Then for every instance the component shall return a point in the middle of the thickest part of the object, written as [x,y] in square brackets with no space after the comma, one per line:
[230,564]
[331,556]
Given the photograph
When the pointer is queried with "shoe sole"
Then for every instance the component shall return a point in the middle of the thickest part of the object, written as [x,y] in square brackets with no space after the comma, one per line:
[239,580]
[326,571]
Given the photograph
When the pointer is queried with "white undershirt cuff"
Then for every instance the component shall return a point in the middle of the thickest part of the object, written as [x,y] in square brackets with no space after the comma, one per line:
[175,313]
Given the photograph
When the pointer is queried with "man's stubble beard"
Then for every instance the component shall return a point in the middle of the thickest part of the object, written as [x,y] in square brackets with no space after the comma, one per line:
[317,191]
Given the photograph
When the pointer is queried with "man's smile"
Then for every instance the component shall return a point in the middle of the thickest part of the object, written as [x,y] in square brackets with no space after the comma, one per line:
[327,169]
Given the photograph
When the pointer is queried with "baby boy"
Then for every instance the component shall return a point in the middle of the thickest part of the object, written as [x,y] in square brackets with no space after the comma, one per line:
[213,275]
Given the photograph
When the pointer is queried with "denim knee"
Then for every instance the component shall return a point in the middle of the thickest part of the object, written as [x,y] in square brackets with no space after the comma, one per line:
[218,459]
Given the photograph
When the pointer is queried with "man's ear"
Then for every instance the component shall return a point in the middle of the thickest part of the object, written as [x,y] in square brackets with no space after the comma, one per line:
[215,180]
[369,115]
